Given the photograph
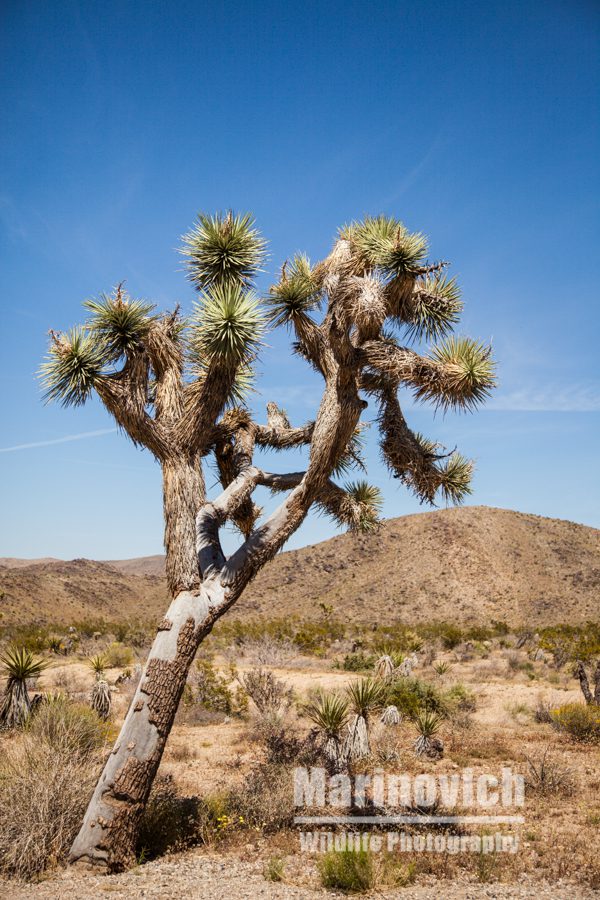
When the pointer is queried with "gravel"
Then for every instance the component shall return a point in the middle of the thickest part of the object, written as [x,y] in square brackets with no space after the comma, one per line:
[201,875]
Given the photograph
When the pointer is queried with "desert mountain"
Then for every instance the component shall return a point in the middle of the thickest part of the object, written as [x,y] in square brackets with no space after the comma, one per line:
[471,564]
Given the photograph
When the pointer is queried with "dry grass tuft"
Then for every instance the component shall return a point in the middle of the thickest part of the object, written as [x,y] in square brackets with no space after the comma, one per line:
[47,775]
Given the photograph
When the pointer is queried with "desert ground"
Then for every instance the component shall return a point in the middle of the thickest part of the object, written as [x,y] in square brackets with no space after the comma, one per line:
[232,762]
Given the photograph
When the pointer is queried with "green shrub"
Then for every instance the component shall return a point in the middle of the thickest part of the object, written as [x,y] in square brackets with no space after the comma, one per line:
[34,638]
[579,720]
[118,655]
[459,698]
[315,638]
[274,869]
[359,661]
[214,692]
[572,641]
[349,871]
[413,695]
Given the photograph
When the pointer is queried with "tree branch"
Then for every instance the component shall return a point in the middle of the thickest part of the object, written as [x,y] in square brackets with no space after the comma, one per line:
[125,395]
[166,358]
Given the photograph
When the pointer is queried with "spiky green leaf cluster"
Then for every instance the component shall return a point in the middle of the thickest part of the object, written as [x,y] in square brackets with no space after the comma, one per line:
[367,501]
[227,324]
[329,712]
[426,445]
[20,664]
[74,362]
[384,243]
[223,249]
[98,663]
[296,293]
[468,374]
[434,307]
[455,478]
[427,723]
[119,322]
[365,696]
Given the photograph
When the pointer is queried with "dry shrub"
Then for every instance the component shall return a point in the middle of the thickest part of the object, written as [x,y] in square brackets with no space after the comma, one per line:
[170,822]
[69,683]
[468,747]
[543,712]
[265,651]
[269,694]
[181,752]
[491,668]
[548,776]
[265,799]
[69,727]
[47,775]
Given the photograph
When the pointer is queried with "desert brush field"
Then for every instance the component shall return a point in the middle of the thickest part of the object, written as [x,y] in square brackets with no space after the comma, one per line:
[220,822]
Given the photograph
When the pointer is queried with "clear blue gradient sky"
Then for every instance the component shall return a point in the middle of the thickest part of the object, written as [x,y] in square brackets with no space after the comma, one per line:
[474,122]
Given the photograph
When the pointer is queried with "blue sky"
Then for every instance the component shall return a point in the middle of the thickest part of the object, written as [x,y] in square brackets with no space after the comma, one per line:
[474,122]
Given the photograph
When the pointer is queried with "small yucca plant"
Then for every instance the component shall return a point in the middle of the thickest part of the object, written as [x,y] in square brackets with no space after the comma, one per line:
[391,716]
[365,697]
[98,664]
[101,701]
[441,668]
[384,668]
[19,665]
[329,712]
[427,724]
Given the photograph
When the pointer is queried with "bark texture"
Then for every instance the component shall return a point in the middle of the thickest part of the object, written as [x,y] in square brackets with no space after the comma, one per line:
[109,831]
[183,495]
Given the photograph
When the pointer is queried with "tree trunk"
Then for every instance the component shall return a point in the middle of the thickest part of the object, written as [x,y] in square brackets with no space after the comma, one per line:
[109,831]
[183,495]
[584,683]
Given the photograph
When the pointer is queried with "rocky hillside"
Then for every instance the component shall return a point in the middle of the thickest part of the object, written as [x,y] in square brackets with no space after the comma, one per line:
[472,564]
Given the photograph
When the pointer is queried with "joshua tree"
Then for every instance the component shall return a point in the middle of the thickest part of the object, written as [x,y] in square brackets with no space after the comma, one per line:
[592,699]
[329,712]
[20,665]
[177,387]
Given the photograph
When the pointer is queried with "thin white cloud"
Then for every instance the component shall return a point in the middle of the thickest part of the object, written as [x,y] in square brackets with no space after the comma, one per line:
[60,440]
[552,398]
